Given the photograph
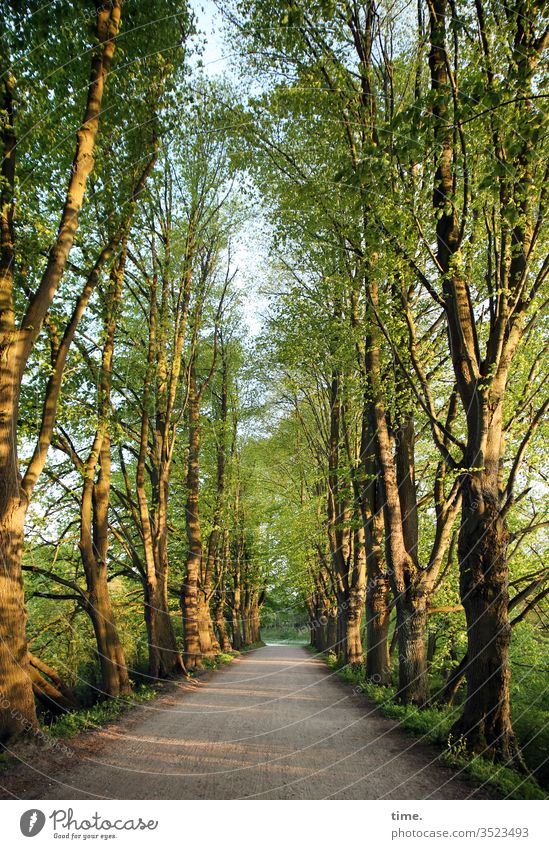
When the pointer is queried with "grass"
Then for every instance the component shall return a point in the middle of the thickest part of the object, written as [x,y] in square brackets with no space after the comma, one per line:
[99,714]
[252,646]
[91,718]
[433,725]
[285,636]
[218,660]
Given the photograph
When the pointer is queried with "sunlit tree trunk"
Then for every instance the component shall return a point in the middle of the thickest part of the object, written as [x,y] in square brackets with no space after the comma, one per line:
[94,512]
[189,597]
[17,709]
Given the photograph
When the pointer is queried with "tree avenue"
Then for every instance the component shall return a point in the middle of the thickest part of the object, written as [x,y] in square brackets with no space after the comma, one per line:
[273,354]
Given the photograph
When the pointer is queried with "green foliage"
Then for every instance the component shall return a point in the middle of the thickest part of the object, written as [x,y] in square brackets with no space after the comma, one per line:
[218,660]
[90,719]
[344,210]
[433,725]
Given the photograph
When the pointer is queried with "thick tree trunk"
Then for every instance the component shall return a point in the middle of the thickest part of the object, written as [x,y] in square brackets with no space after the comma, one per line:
[189,594]
[247,637]
[255,617]
[193,651]
[94,514]
[413,687]
[208,642]
[237,641]
[237,637]
[482,382]
[220,597]
[17,708]
[319,623]
[221,624]
[331,631]
[164,657]
[482,548]
[398,492]
[321,632]
[354,653]
[114,673]
[378,662]
[215,535]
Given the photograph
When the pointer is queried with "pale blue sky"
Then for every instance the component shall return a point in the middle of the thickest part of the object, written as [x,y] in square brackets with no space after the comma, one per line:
[250,252]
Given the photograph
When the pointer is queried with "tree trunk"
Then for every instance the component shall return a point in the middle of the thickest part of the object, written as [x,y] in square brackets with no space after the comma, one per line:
[17,708]
[400,534]
[247,637]
[94,512]
[220,597]
[205,627]
[482,382]
[237,637]
[237,640]
[413,685]
[331,631]
[378,662]
[208,640]
[54,694]
[114,673]
[454,681]
[255,618]
[189,594]
[319,623]
[164,657]
[221,624]
[354,652]
[482,548]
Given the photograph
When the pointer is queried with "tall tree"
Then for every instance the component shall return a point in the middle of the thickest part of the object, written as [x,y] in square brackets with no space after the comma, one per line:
[17,342]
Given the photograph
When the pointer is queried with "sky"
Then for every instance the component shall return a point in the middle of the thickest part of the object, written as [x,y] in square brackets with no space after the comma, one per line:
[250,251]
[209,22]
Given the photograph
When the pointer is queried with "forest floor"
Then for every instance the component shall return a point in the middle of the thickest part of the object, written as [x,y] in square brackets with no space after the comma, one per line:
[277,723]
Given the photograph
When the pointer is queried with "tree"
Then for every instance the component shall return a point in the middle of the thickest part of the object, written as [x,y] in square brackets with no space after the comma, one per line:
[17,343]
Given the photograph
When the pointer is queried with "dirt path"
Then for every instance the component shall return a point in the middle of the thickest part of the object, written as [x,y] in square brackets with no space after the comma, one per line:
[274,724]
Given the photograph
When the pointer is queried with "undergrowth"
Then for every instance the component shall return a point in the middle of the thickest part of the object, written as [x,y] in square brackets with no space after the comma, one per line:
[433,724]
[218,660]
[73,722]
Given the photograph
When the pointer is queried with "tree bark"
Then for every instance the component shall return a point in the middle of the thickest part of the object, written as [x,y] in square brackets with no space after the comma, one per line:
[94,511]
[189,595]
[482,549]
[51,691]
[378,662]
[482,381]
[18,713]
[164,656]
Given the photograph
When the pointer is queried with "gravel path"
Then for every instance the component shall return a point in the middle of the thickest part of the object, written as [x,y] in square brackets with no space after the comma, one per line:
[276,723]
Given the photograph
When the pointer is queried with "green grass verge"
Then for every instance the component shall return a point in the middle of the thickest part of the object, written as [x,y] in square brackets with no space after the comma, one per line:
[218,660]
[252,646]
[433,724]
[91,718]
